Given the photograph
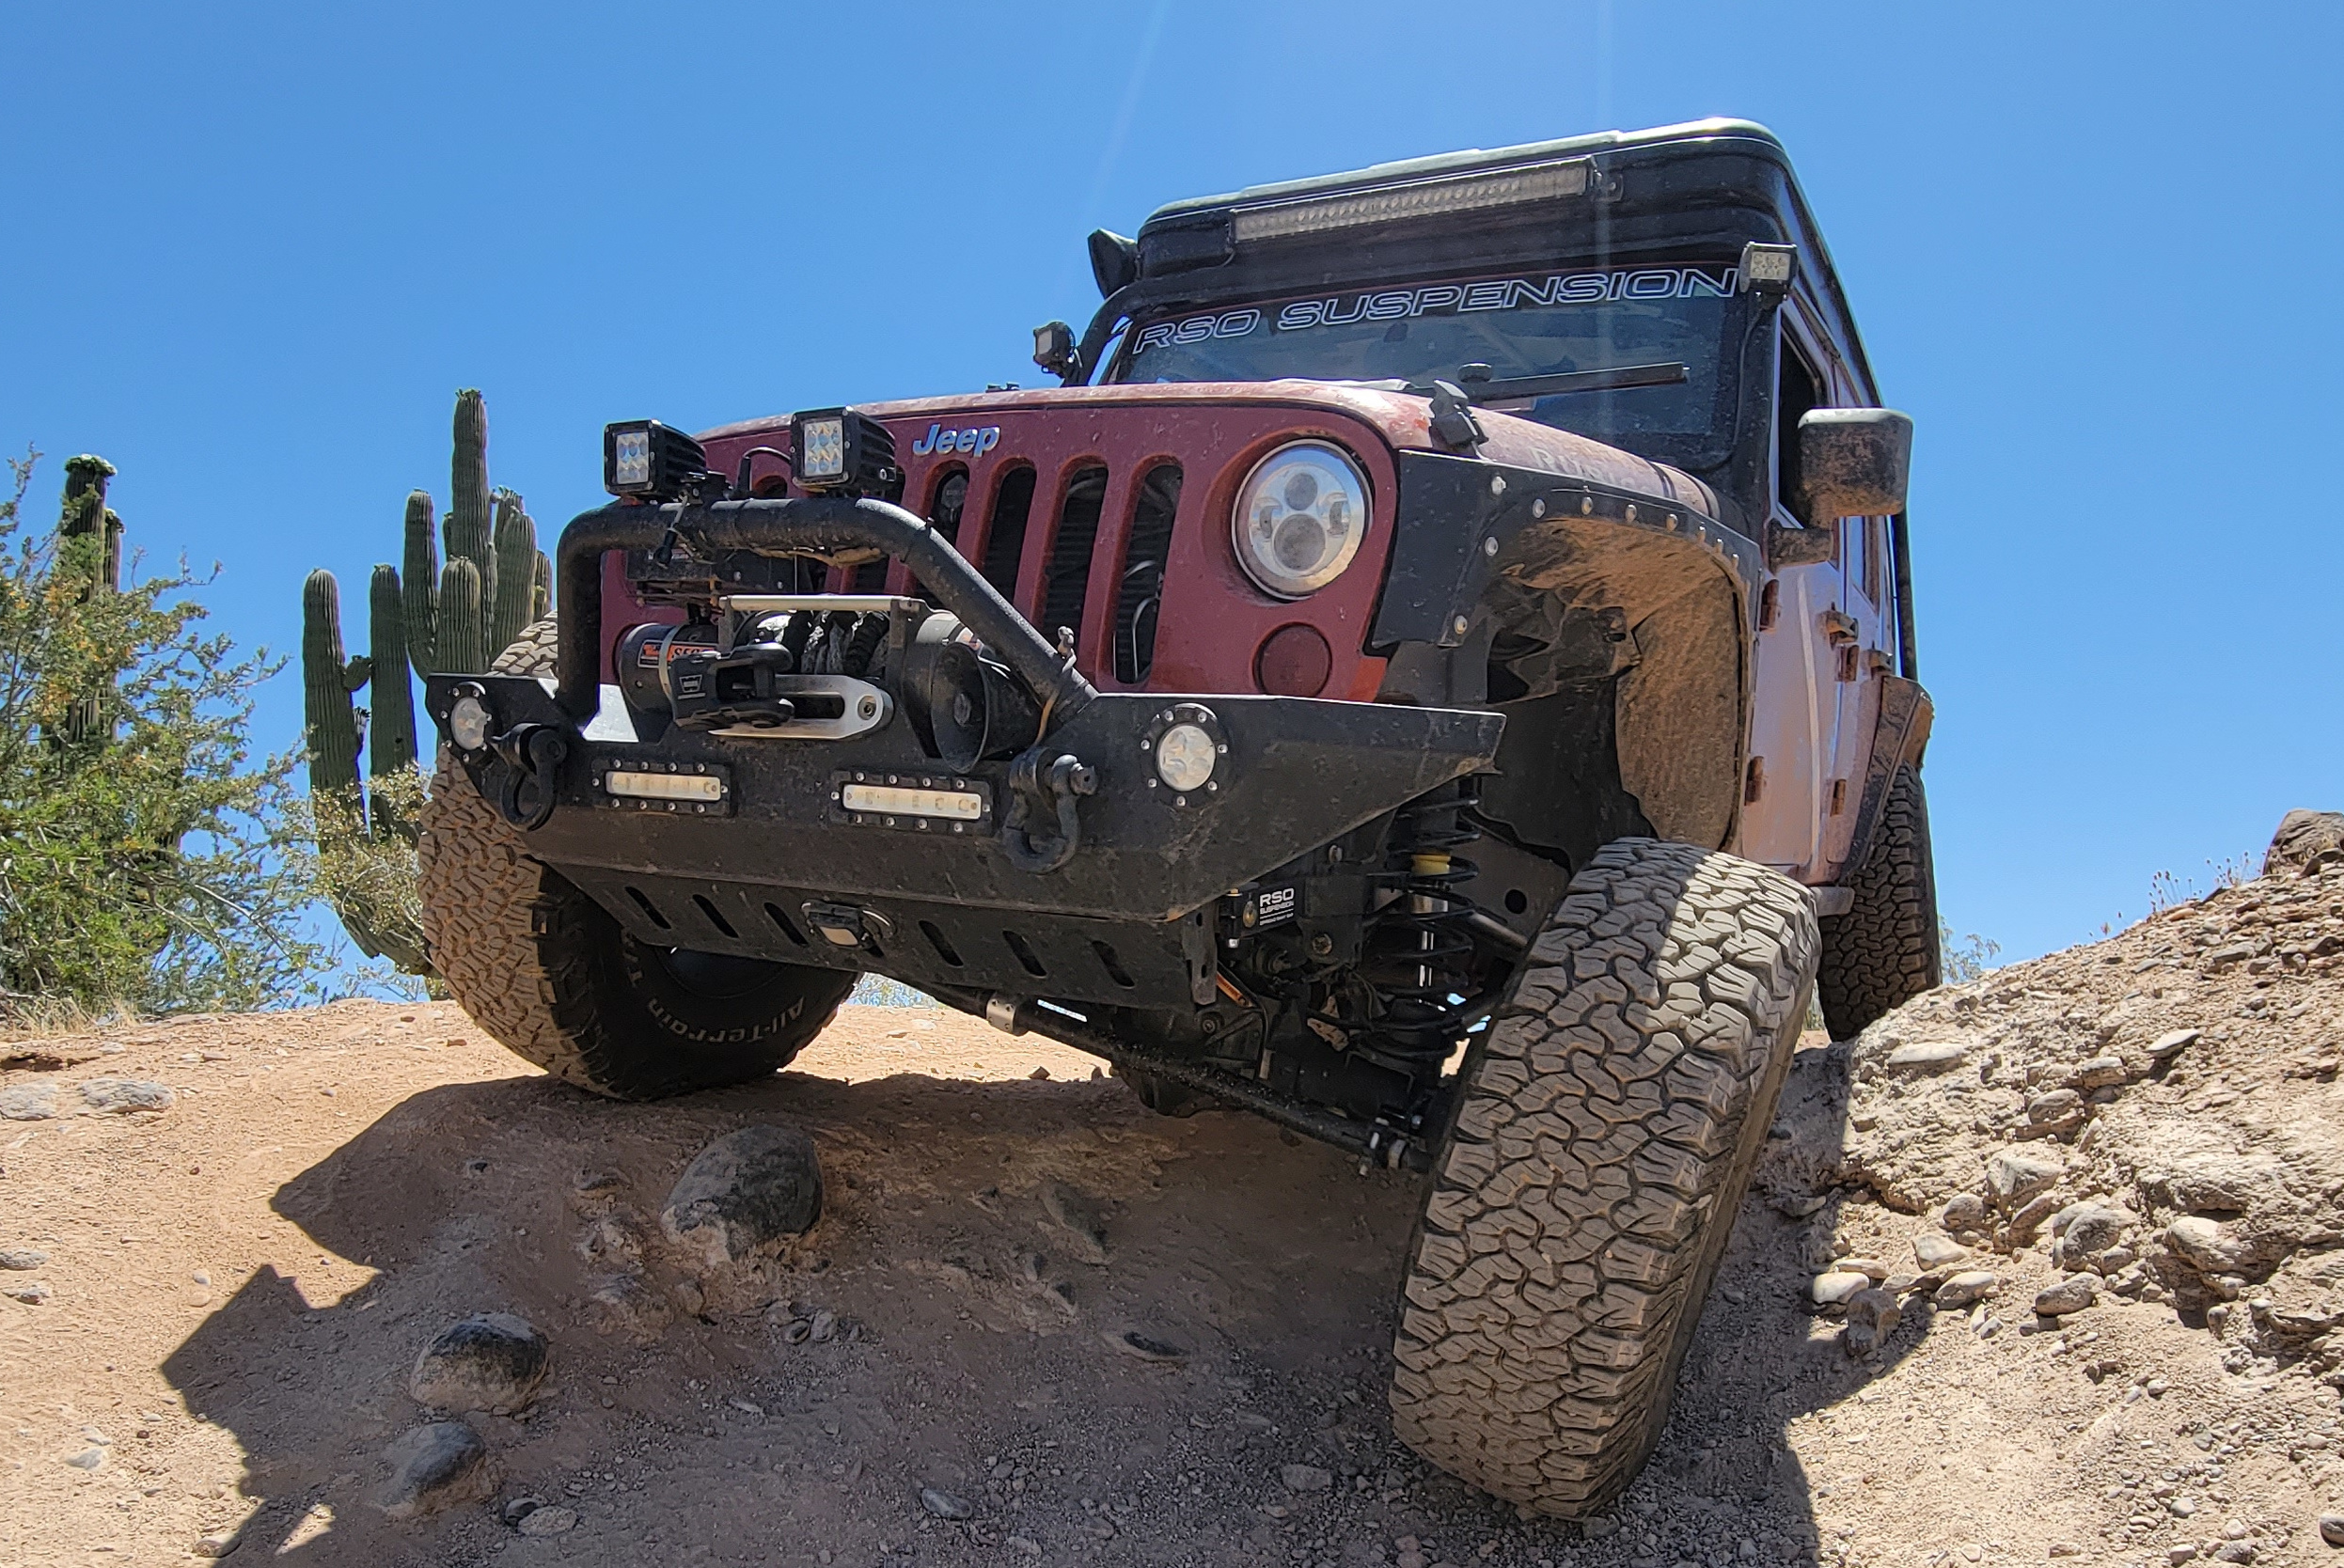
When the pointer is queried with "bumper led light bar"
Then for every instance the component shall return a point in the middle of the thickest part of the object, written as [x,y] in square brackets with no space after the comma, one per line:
[1422,198]
[897,800]
[703,789]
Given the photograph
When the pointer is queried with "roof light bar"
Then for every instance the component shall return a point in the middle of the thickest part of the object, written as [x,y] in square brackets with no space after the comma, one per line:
[1422,198]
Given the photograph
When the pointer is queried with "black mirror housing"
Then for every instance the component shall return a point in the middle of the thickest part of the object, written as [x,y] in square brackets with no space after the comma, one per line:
[1855,462]
[1114,260]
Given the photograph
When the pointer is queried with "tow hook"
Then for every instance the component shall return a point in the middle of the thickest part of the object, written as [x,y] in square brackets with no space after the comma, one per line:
[528,755]
[1038,797]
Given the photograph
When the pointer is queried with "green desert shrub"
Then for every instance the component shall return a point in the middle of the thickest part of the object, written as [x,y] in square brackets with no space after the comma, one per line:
[145,854]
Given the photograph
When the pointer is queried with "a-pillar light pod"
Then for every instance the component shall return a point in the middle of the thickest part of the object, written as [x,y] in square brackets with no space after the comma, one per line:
[840,450]
[645,458]
[1767,270]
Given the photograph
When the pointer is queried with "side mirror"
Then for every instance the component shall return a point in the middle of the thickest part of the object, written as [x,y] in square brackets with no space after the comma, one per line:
[1854,461]
[1114,260]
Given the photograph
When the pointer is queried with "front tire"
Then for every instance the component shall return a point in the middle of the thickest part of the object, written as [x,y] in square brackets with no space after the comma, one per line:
[1885,950]
[545,969]
[1606,1126]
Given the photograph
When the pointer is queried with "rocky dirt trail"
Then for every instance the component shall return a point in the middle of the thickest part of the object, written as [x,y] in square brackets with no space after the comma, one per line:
[1036,1324]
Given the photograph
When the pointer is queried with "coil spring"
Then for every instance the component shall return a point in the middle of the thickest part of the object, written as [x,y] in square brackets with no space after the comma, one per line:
[1423,942]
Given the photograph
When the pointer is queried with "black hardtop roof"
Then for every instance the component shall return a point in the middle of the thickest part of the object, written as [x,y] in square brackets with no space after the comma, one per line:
[1474,159]
[1734,162]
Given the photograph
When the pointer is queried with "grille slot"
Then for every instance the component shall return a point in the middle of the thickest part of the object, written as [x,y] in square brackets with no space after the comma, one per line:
[1005,530]
[948,501]
[1143,587]
[1069,575]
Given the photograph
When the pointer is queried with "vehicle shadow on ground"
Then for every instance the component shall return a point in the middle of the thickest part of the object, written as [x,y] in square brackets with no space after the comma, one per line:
[1276,1264]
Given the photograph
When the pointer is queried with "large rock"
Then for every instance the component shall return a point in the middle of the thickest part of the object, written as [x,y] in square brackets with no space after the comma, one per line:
[2208,1244]
[2082,1232]
[1965,1289]
[1932,1250]
[626,1303]
[2058,1110]
[2069,1296]
[1305,1477]
[2306,840]
[435,1466]
[1935,1056]
[28,1102]
[1872,1317]
[120,1096]
[2013,1179]
[495,1362]
[743,1194]
[1831,1290]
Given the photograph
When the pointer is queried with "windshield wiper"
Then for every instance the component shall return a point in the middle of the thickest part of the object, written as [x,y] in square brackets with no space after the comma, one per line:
[1478,386]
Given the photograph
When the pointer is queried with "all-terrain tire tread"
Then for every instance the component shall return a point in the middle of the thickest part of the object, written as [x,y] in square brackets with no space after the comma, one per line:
[1605,1131]
[506,934]
[1885,950]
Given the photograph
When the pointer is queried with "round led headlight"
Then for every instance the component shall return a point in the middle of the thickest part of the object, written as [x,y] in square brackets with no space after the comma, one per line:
[467,723]
[1300,518]
[1184,757]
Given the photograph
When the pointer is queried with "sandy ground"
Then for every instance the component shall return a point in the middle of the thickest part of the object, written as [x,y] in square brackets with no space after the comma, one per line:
[239,1283]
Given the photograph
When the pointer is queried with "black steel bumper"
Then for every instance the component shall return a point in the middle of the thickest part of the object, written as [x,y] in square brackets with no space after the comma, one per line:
[780,866]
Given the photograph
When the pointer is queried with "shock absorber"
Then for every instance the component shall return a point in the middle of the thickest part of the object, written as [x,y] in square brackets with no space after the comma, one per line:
[1420,948]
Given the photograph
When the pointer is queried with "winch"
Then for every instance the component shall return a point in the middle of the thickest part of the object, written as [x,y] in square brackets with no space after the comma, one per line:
[828,667]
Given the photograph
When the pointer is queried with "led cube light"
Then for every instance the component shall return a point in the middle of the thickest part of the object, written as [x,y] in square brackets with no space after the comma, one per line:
[821,449]
[630,460]
[645,458]
[1768,269]
[840,449]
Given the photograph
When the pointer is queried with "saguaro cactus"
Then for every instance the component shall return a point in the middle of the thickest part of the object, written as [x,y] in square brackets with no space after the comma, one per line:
[85,515]
[514,580]
[433,617]
[492,529]
[366,837]
[419,595]
[391,747]
[470,528]
[463,638]
[326,682]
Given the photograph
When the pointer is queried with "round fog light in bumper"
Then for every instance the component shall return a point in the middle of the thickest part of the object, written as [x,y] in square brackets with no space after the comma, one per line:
[1185,757]
[469,723]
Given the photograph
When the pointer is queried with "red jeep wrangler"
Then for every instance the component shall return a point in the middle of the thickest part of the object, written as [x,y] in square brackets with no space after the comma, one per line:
[1439,675]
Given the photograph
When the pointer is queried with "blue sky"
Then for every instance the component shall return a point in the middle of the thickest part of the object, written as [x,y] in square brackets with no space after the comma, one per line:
[254,250]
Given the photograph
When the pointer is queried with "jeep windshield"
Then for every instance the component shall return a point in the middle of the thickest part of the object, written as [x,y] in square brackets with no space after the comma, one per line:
[1519,326]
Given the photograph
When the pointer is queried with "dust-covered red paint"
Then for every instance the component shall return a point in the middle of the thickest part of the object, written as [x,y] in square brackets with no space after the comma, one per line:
[1213,622]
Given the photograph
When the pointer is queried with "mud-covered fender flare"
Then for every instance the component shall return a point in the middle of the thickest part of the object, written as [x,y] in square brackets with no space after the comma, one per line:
[1898,741]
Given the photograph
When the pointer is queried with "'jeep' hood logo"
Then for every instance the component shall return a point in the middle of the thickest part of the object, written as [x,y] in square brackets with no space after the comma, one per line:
[976,441]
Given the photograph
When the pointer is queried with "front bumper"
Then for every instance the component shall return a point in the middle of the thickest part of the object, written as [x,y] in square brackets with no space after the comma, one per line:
[780,867]
[1122,920]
